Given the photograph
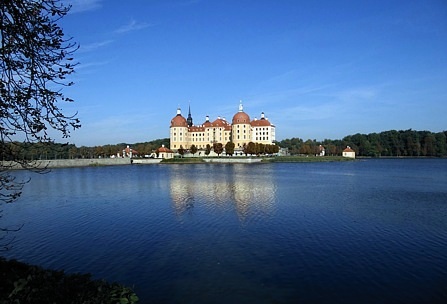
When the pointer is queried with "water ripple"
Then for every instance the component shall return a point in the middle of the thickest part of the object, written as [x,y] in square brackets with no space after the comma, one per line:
[282,233]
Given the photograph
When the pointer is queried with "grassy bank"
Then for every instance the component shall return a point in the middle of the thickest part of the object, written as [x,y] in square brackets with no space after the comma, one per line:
[303,159]
[23,283]
[283,159]
[186,160]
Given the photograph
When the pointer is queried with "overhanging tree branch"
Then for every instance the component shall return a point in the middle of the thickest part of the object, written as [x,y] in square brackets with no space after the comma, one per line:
[35,61]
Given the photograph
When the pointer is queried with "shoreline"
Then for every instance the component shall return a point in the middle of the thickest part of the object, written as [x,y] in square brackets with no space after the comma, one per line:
[99,162]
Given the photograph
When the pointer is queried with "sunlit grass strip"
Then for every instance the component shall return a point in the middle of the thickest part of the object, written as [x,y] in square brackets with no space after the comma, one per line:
[185,160]
[304,159]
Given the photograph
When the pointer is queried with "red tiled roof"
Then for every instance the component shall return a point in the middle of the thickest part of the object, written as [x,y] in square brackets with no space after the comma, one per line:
[164,149]
[179,121]
[241,118]
[221,123]
[260,123]
[128,150]
[196,129]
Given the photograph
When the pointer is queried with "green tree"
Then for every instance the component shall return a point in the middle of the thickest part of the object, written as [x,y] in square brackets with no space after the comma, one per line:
[229,148]
[193,149]
[251,148]
[260,148]
[181,151]
[305,149]
[207,150]
[99,151]
[218,148]
[440,144]
[35,60]
[245,149]
[293,145]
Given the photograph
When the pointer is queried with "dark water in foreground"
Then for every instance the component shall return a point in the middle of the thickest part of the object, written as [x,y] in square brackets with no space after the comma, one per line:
[371,231]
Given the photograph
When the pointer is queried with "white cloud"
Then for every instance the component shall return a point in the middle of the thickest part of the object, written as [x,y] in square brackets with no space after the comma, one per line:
[91,64]
[357,94]
[94,46]
[79,6]
[132,26]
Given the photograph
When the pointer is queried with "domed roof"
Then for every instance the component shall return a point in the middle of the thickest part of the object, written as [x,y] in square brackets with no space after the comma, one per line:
[241,118]
[179,120]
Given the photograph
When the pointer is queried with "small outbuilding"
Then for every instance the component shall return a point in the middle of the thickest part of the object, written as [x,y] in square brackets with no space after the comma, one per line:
[129,152]
[164,152]
[348,152]
[321,151]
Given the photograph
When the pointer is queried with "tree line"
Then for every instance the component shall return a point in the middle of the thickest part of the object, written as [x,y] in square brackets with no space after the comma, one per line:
[404,143]
[44,151]
[393,143]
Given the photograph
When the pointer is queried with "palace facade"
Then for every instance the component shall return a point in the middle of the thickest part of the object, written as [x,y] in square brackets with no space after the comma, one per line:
[241,130]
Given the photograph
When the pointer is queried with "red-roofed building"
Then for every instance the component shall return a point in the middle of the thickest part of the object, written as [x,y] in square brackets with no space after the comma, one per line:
[241,130]
[128,152]
[348,152]
[164,152]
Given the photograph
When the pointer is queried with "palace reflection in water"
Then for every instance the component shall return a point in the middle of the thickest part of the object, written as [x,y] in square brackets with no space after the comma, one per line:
[224,188]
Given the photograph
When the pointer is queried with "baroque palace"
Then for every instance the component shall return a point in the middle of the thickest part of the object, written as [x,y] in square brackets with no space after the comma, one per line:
[241,130]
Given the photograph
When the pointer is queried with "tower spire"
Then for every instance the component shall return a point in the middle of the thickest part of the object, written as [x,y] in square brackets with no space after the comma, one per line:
[189,119]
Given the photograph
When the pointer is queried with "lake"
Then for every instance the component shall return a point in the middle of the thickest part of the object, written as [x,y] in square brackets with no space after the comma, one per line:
[367,231]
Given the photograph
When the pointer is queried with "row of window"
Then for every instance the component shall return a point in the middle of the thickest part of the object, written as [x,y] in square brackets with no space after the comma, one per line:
[220,129]
[237,126]
[198,147]
[263,128]
[225,138]
[203,139]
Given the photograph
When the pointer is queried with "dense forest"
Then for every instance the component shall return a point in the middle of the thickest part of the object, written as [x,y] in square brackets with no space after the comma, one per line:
[407,143]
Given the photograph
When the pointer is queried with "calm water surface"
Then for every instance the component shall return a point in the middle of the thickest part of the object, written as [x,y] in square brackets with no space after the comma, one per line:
[372,231]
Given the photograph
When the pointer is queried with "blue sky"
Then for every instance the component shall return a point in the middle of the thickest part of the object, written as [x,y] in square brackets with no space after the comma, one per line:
[317,69]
